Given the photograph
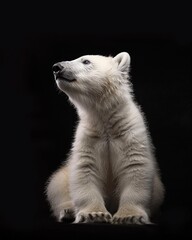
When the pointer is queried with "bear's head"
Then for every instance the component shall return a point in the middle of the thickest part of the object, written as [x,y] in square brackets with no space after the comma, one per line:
[93,80]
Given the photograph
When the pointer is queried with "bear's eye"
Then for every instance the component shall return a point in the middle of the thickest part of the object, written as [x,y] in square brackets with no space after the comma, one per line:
[86,61]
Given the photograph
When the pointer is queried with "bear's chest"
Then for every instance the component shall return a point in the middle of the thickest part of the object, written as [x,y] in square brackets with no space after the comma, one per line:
[109,154]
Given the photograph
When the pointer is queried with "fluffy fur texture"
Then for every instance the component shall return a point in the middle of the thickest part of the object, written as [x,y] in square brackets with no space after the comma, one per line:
[111,174]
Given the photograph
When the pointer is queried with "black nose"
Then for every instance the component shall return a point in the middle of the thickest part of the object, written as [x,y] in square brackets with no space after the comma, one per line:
[57,68]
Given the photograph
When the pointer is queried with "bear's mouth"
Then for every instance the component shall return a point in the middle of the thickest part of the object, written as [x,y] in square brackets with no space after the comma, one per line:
[62,78]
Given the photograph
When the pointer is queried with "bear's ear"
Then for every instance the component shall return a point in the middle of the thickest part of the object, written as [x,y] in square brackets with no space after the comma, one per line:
[123,60]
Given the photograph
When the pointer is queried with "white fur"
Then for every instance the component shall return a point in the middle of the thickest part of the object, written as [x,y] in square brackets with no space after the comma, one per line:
[111,174]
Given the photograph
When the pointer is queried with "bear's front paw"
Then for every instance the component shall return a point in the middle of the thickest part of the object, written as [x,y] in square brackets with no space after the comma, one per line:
[91,217]
[130,220]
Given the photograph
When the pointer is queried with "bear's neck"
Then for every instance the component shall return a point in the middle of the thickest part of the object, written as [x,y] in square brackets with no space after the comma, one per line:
[103,112]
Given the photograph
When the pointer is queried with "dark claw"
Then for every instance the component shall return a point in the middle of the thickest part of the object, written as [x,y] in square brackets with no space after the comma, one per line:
[82,219]
[142,220]
[90,216]
[134,220]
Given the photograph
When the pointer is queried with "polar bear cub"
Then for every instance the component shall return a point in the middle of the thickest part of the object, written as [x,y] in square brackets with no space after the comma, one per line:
[111,174]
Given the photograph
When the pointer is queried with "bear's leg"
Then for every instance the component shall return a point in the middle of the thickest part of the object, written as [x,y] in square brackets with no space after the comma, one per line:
[135,190]
[89,202]
[87,194]
[58,195]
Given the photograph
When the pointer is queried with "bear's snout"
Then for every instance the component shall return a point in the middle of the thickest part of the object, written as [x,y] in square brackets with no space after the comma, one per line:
[62,73]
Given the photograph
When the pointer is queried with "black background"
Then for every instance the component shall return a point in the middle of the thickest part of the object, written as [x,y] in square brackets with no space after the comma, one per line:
[37,121]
